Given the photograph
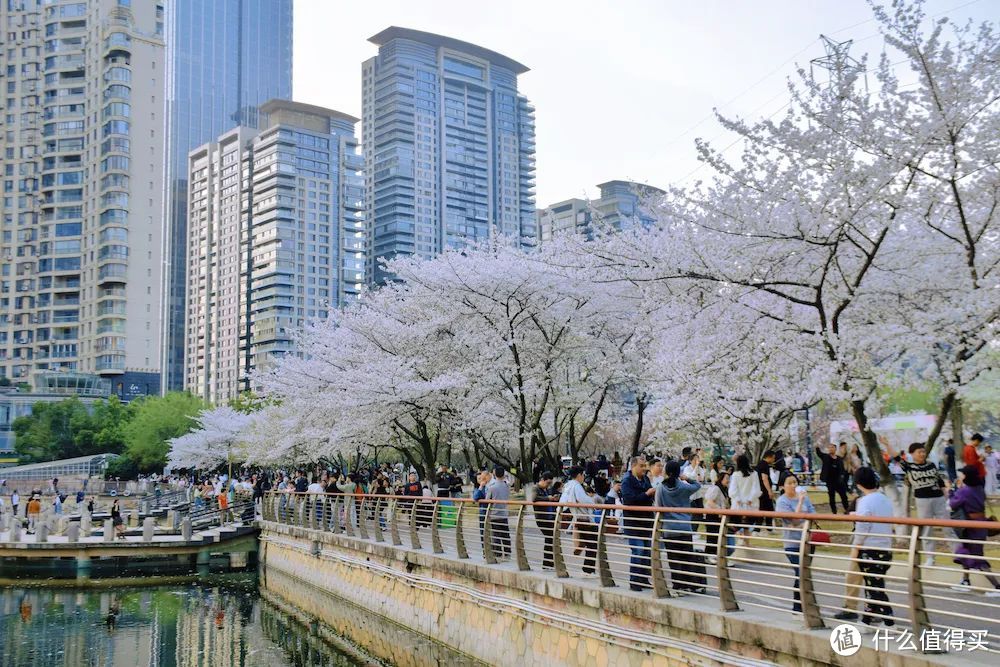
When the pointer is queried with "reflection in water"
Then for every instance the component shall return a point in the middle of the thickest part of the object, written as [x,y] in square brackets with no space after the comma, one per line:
[221,624]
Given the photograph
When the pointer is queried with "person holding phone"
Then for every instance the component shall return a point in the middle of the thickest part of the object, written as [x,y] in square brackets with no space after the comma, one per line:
[794,498]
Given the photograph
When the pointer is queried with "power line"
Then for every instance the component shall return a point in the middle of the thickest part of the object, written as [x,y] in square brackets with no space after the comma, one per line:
[792,58]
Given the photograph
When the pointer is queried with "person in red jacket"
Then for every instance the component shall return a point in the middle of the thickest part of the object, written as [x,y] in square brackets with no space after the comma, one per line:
[972,457]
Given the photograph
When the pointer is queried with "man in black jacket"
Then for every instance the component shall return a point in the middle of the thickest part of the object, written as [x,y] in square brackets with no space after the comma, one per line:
[637,491]
[301,483]
[832,474]
[545,515]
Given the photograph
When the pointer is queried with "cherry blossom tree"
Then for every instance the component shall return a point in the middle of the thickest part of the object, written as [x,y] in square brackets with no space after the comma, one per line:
[217,440]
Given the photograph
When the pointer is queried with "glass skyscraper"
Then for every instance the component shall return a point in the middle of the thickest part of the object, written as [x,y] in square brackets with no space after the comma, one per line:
[225,57]
[449,147]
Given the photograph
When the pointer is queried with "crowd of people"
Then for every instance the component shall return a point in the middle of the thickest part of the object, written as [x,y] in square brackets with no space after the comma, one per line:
[779,481]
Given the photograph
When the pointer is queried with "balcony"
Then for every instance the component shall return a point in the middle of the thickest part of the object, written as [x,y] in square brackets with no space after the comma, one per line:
[111,363]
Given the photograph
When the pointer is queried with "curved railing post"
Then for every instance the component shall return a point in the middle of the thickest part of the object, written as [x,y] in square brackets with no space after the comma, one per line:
[807,596]
[312,510]
[302,510]
[379,537]
[660,588]
[414,538]
[334,503]
[727,597]
[348,501]
[435,535]
[394,523]
[362,519]
[558,562]
[488,537]
[603,567]
[459,533]
[519,552]
[918,612]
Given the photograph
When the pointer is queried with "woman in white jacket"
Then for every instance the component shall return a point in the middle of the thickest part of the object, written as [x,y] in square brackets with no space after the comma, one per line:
[744,494]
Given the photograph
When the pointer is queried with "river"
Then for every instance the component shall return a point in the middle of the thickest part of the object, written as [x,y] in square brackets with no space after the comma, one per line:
[213,621]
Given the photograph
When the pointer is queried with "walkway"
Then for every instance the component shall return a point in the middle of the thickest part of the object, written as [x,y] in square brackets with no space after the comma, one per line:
[757,578]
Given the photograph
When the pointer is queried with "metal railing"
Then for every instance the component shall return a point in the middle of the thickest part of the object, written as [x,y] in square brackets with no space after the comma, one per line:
[241,510]
[803,564]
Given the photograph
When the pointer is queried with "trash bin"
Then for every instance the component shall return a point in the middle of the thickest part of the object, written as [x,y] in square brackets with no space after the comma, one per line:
[447,512]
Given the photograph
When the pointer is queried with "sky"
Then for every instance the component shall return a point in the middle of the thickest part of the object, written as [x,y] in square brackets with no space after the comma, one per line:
[621,88]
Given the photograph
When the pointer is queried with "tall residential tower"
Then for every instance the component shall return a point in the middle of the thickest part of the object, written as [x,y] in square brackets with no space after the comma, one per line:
[226,57]
[290,199]
[82,160]
[449,147]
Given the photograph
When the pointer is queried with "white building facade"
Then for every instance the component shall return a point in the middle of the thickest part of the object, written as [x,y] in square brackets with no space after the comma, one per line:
[288,198]
[82,160]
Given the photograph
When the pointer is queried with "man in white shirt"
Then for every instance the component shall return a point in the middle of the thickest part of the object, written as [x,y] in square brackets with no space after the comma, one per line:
[583,524]
[874,543]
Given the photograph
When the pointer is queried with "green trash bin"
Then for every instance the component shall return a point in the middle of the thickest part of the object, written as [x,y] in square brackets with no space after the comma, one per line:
[447,513]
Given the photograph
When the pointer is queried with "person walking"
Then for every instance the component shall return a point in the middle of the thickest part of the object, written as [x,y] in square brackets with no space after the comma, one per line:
[794,499]
[638,491]
[687,573]
[117,521]
[545,516]
[766,503]
[583,527]
[499,490]
[744,494]
[15,501]
[874,542]
[970,499]
[33,509]
[832,474]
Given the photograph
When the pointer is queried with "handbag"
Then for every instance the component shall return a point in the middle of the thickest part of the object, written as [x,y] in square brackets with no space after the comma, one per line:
[819,537]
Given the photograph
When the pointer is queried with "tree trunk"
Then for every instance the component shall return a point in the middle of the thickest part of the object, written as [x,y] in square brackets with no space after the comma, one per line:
[957,425]
[574,446]
[640,404]
[947,405]
[870,441]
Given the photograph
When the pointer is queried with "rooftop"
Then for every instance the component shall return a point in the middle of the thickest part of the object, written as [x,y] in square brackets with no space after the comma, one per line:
[632,185]
[440,41]
[29,467]
[274,105]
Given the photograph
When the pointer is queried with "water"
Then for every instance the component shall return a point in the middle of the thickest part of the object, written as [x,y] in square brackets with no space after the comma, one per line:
[219,622]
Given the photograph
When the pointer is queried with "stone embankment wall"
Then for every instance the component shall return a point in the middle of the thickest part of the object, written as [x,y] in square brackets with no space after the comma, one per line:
[498,616]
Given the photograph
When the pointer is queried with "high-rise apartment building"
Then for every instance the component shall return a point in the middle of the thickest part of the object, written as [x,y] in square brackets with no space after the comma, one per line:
[225,57]
[619,207]
[449,147]
[290,197]
[82,159]
[572,215]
